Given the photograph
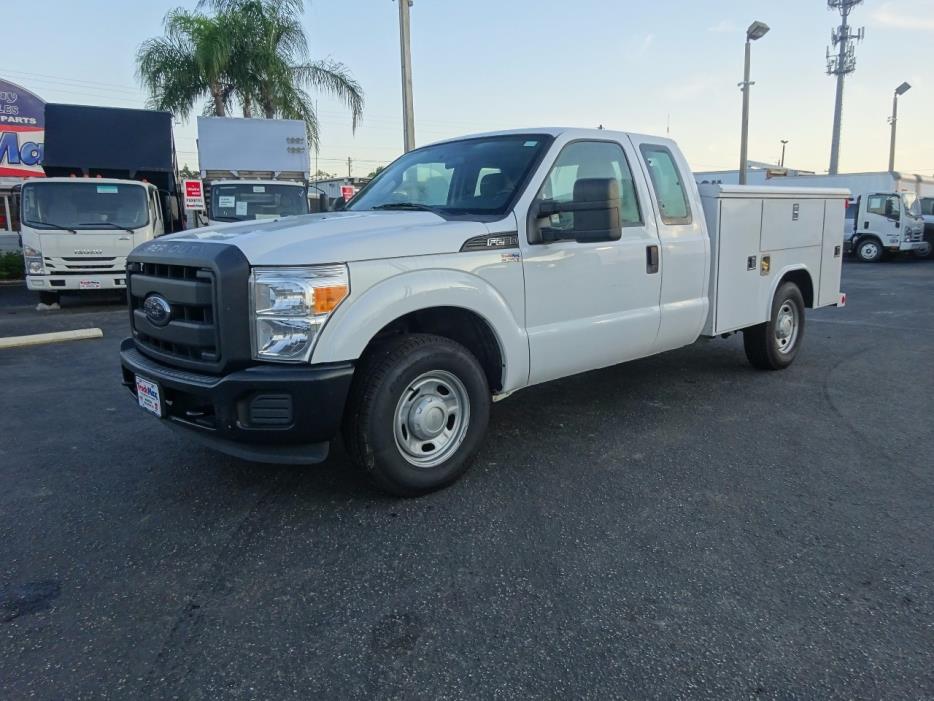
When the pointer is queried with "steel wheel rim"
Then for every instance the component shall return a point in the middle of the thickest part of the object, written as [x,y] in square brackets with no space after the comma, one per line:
[869,249]
[431,418]
[786,327]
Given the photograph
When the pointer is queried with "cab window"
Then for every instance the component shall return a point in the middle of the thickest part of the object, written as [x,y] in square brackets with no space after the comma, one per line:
[668,183]
[883,205]
[592,159]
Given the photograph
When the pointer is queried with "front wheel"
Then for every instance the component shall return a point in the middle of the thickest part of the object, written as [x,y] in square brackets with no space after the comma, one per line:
[774,344]
[49,298]
[869,251]
[418,412]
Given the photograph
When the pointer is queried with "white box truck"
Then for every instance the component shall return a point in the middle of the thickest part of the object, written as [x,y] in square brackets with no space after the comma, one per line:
[113,183]
[252,168]
[463,272]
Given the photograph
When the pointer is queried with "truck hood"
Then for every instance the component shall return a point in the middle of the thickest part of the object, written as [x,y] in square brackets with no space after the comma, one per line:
[339,237]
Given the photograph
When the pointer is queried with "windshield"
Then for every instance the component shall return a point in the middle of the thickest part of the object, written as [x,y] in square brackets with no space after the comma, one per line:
[85,205]
[245,201]
[912,205]
[472,176]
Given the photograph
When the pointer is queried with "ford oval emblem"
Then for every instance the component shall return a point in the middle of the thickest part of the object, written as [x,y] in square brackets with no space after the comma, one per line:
[158,311]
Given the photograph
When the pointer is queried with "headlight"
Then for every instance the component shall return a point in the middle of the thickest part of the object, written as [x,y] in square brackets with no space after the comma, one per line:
[33,261]
[290,305]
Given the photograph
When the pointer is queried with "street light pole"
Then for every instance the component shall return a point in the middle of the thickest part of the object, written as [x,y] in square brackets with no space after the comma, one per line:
[756,30]
[408,115]
[900,90]
[781,163]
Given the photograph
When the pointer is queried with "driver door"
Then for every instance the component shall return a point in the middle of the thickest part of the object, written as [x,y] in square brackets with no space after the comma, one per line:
[590,303]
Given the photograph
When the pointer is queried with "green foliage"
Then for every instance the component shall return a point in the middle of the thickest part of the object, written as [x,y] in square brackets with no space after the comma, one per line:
[375,171]
[11,266]
[248,52]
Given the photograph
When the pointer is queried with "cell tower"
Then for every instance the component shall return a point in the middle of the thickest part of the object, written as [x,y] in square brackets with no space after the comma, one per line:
[840,63]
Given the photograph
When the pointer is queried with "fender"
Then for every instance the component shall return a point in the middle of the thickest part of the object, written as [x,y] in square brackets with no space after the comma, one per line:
[355,323]
[773,288]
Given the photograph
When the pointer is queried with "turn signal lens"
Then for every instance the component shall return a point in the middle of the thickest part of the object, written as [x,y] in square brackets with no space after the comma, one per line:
[327,298]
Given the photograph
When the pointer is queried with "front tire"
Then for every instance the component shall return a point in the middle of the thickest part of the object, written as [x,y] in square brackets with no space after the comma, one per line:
[774,344]
[418,412]
[869,250]
[49,298]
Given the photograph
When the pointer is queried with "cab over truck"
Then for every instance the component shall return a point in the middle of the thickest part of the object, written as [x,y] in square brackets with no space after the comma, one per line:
[253,168]
[463,272]
[112,184]
[885,222]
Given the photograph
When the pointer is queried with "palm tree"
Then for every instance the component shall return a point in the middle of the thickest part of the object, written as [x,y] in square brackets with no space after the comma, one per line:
[191,60]
[254,52]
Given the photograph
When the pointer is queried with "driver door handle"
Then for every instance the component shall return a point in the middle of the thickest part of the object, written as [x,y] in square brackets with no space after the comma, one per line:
[651,259]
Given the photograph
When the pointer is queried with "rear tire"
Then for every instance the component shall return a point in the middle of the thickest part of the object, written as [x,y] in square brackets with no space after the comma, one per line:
[418,412]
[774,344]
[49,298]
[869,250]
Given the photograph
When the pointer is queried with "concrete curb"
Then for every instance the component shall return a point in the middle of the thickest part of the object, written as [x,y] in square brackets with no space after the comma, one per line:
[38,339]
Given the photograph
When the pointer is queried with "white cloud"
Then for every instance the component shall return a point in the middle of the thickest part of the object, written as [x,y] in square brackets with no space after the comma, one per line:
[906,14]
[724,26]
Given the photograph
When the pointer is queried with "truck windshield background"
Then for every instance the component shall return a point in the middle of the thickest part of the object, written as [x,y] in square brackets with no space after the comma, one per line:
[245,201]
[85,205]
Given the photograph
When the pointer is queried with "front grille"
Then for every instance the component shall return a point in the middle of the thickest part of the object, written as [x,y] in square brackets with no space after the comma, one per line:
[192,333]
[207,288]
[917,235]
[62,266]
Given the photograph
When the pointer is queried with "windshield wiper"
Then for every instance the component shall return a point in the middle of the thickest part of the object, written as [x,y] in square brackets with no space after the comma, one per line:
[111,224]
[406,205]
[51,224]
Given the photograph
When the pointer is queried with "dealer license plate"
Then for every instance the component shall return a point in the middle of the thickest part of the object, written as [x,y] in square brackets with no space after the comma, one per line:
[89,284]
[147,392]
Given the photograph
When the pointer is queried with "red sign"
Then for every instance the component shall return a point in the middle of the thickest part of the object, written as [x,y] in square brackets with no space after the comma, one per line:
[348,191]
[194,194]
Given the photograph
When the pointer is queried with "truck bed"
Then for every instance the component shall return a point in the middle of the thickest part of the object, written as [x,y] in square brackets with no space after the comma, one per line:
[758,234]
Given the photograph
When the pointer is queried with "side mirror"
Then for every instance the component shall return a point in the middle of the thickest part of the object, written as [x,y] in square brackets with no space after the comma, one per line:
[890,211]
[596,213]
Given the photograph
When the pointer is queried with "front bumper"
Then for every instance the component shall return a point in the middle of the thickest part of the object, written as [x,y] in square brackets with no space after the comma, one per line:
[66,283]
[279,414]
[906,246]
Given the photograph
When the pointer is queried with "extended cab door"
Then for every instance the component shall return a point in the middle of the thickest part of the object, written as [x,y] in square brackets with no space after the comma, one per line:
[685,246]
[590,256]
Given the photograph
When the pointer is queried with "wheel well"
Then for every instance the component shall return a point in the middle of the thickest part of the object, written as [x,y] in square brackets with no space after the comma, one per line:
[461,325]
[802,278]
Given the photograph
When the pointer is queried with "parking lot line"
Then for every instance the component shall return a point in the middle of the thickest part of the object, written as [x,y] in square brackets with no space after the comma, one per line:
[37,339]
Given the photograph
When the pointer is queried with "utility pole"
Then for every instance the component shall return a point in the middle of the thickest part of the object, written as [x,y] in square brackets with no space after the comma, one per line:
[900,90]
[349,165]
[843,63]
[408,114]
[756,30]
[781,163]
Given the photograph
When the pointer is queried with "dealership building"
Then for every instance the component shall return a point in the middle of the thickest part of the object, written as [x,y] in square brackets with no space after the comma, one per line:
[22,135]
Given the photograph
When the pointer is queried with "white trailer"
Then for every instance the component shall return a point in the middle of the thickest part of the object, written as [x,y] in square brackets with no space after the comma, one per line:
[252,168]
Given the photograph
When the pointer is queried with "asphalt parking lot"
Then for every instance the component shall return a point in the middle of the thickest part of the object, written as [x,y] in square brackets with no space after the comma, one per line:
[679,527]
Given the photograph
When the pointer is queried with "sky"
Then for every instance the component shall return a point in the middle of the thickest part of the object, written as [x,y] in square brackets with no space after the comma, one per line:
[647,67]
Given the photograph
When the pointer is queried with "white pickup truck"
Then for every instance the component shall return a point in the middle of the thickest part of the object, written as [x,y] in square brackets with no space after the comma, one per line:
[463,272]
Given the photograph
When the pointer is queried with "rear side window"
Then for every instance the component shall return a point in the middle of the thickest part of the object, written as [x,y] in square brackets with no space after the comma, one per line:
[668,184]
